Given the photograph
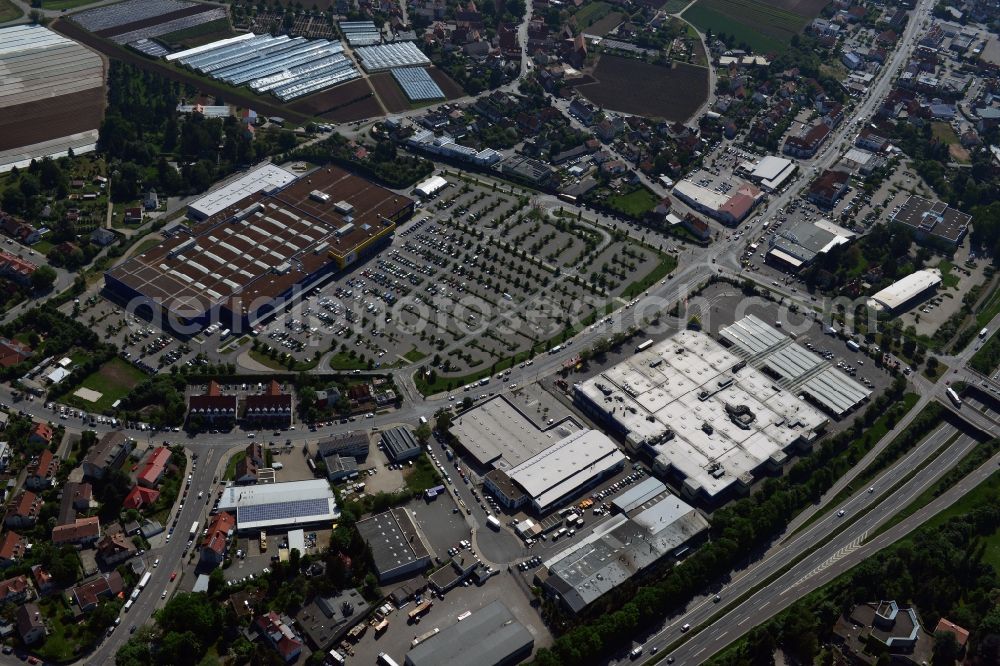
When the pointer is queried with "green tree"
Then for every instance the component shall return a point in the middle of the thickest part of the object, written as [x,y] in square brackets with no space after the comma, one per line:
[43,278]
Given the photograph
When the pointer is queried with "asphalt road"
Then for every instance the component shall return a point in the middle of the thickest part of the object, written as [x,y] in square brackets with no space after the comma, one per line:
[848,549]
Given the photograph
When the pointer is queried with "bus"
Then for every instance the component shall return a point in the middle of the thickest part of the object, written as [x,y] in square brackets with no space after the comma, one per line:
[194,529]
[144,580]
[385,660]
[420,609]
[953,397]
[643,346]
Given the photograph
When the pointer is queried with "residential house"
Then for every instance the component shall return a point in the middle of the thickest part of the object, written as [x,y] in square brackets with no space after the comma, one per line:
[272,407]
[155,467]
[103,237]
[107,454]
[15,268]
[75,497]
[808,142]
[134,215]
[89,594]
[41,434]
[246,471]
[960,635]
[13,546]
[80,532]
[43,580]
[5,455]
[15,590]
[23,510]
[827,189]
[278,633]
[13,352]
[115,548]
[213,409]
[697,226]
[140,496]
[151,201]
[584,111]
[30,624]
[42,471]
[213,546]
[19,230]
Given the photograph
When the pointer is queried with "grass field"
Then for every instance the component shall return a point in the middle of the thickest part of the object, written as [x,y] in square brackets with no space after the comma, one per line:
[634,204]
[9,11]
[414,355]
[765,27]
[421,476]
[674,6]
[670,92]
[667,264]
[344,361]
[58,5]
[275,364]
[113,381]
[944,133]
[591,14]
[197,35]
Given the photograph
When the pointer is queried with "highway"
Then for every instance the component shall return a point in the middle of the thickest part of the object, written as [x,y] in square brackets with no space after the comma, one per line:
[848,549]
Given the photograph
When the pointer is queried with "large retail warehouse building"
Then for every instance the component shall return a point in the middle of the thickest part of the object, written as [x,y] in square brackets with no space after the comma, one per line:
[249,258]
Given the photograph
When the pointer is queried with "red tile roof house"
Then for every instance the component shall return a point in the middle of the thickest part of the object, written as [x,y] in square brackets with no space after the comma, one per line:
[213,407]
[15,590]
[961,635]
[155,467]
[279,635]
[41,434]
[12,548]
[140,496]
[87,595]
[30,624]
[272,406]
[23,510]
[83,531]
[42,472]
[115,548]
[213,547]
[13,352]
[43,580]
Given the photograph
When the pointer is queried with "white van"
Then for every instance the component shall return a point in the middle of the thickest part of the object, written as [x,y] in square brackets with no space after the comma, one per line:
[423,420]
[635,652]
[128,605]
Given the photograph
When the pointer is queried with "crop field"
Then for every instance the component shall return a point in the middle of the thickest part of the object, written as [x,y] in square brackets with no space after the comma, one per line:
[197,35]
[33,122]
[350,101]
[447,85]
[389,92]
[763,26]
[670,92]
[605,25]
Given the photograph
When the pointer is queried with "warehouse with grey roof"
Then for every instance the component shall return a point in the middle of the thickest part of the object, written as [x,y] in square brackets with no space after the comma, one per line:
[621,548]
[398,546]
[491,636]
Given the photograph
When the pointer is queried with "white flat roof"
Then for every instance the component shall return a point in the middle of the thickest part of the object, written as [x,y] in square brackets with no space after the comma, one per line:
[683,386]
[297,541]
[901,291]
[280,504]
[264,177]
[702,195]
[771,167]
[568,464]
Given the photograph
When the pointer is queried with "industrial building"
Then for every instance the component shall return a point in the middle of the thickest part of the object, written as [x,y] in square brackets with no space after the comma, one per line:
[387,56]
[51,95]
[933,221]
[793,367]
[446,146]
[900,295]
[491,636]
[287,67]
[728,208]
[620,548]
[498,435]
[797,245]
[430,187]
[265,177]
[560,472]
[771,173]
[280,505]
[398,546]
[706,417]
[261,251]
[400,445]
[417,84]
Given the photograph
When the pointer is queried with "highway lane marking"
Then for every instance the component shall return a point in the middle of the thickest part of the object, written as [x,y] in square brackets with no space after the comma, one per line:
[764,605]
[741,622]
[698,652]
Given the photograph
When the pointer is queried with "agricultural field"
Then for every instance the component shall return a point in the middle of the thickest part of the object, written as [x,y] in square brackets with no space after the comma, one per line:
[197,35]
[765,27]
[590,14]
[673,93]
[605,25]
[392,96]
[349,101]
